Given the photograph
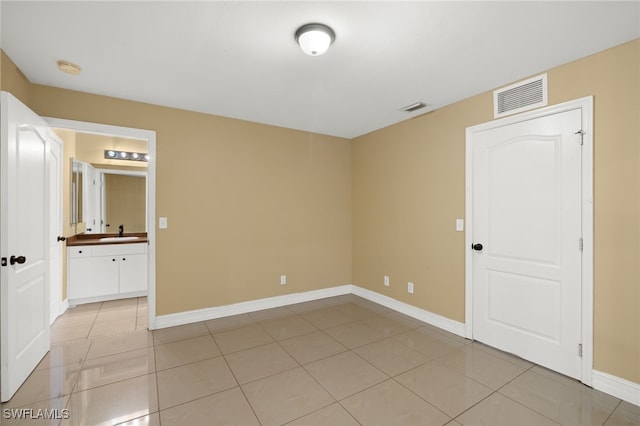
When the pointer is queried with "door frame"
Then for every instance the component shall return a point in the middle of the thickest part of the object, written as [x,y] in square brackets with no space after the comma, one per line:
[150,137]
[55,291]
[586,106]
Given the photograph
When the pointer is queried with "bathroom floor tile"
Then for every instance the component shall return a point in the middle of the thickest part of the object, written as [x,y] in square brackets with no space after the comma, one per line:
[242,338]
[185,351]
[344,374]
[285,396]
[223,408]
[262,361]
[446,389]
[388,403]
[114,403]
[312,347]
[191,381]
[73,352]
[121,343]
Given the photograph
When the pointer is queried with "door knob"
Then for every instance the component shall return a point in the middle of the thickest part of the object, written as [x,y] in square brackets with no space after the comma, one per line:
[61,238]
[477,247]
[19,260]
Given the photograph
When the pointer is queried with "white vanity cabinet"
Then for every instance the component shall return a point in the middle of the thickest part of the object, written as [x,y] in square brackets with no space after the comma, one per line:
[106,271]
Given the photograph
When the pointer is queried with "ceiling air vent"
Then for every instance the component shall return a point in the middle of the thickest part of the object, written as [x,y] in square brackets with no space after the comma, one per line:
[519,97]
[414,107]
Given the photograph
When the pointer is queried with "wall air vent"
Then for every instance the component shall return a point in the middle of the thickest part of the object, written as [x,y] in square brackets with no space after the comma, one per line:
[519,97]
[414,107]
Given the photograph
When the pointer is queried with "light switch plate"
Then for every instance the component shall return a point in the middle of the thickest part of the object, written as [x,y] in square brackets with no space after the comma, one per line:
[459,225]
[162,223]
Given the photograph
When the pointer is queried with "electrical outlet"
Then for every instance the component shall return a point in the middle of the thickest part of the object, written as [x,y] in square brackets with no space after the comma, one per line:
[386,280]
[410,287]
[283,279]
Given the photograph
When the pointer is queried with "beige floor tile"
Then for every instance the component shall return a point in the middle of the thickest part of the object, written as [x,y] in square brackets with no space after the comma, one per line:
[332,415]
[262,361]
[152,419]
[114,368]
[430,345]
[312,347]
[625,414]
[523,363]
[498,410]
[191,381]
[229,323]
[112,345]
[287,327]
[229,407]
[42,385]
[385,325]
[113,327]
[117,314]
[345,374]
[285,396]
[180,332]
[82,319]
[405,320]
[30,413]
[388,403]
[448,390]
[481,366]
[354,334]
[271,314]
[341,300]
[326,318]
[73,352]
[391,356]
[242,338]
[561,399]
[69,333]
[114,403]
[83,309]
[186,351]
[355,311]
[119,304]
[303,307]
[142,323]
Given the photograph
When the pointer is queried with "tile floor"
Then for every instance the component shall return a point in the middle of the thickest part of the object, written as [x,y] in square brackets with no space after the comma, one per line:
[337,361]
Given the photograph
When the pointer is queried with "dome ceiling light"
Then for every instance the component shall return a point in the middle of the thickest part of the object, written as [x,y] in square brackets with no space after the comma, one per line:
[314,39]
[68,67]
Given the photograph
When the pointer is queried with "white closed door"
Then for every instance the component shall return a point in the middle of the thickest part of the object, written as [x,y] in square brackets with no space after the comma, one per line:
[527,218]
[24,243]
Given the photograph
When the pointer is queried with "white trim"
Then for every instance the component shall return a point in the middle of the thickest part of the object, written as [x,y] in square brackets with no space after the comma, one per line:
[586,106]
[436,320]
[616,386]
[94,299]
[180,318]
[150,137]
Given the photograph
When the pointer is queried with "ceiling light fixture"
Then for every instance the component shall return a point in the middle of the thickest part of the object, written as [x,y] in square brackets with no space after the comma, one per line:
[69,67]
[314,39]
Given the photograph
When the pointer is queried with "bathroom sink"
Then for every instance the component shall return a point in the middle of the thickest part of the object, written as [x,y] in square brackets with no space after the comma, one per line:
[114,239]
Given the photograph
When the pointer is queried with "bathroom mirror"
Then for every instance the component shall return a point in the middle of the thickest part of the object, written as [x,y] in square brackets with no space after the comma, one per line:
[76,191]
[123,200]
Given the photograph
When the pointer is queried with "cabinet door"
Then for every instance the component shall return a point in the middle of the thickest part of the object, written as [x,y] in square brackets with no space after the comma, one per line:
[93,276]
[133,272]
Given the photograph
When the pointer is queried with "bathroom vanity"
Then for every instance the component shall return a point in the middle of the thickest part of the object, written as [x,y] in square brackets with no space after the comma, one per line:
[105,267]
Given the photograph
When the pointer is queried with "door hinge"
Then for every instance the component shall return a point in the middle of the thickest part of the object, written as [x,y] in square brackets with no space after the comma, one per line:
[581,133]
[580,350]
[3,262]
[580,244]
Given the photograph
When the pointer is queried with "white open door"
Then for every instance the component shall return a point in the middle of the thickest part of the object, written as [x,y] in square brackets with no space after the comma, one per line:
[55,163]
[527,230]
[24,243]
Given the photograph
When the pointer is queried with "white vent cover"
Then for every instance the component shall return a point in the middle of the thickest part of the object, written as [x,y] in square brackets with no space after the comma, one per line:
[521,96]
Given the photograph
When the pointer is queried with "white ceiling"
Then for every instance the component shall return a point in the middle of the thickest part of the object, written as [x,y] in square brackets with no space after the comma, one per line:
[239,59]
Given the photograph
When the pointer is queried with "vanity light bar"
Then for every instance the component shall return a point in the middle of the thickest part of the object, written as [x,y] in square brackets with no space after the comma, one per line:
[112,154]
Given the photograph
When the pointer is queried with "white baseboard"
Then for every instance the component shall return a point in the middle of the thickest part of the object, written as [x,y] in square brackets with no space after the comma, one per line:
[436,320]
[620,388]
[205,314]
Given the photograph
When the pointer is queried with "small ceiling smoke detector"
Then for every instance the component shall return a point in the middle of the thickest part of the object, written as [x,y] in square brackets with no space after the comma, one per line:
[414,107]
[69,67]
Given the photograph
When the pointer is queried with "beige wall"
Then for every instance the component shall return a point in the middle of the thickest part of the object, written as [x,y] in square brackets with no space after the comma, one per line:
[259,201]
[408,189]
[13,80]
[246,202]
[90,149]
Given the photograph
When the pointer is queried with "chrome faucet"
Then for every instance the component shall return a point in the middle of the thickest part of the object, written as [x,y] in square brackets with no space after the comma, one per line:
[120,230]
